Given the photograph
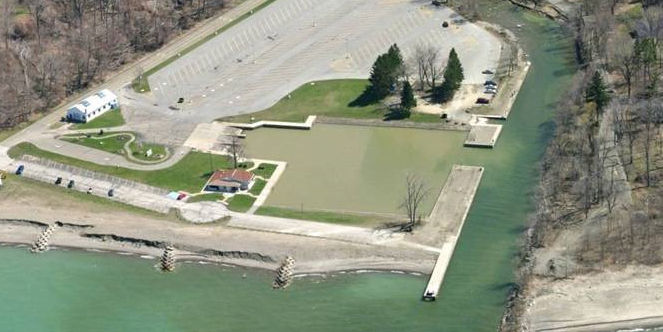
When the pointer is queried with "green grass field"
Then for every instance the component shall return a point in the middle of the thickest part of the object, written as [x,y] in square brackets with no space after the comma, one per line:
[264,170]
[141,84]
[330,98]
[139,150]
[240,203]
[109,119]
[189,174]
[324,216]
[113,144]
[257,187]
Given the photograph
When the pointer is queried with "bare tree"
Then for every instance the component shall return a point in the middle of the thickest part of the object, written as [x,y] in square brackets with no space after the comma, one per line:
[6,19]
[236,149]
[621,53]
[647,117]
[416,192]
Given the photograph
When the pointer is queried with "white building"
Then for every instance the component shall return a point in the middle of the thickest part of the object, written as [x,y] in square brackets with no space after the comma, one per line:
[92,106]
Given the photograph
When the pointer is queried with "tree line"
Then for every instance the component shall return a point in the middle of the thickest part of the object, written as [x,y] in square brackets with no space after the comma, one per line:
[390,74]
[52,48]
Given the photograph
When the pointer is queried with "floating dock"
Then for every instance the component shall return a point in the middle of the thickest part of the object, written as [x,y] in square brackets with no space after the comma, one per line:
[483,135]
[446,221]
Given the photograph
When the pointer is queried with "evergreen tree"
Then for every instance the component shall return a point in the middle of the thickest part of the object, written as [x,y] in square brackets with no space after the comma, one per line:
[407,97]
[385,73]
[453,77]
[381,78]
[596,92]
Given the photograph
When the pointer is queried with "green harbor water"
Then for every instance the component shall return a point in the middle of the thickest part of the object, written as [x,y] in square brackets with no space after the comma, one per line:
[81,291]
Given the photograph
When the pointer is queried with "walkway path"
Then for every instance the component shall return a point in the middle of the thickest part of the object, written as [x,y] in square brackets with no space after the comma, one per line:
[445,223]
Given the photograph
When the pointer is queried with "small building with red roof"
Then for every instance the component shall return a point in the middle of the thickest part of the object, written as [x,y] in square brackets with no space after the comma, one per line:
[229,181]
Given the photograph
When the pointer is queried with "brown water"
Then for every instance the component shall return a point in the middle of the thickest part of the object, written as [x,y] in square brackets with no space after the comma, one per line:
[352,168]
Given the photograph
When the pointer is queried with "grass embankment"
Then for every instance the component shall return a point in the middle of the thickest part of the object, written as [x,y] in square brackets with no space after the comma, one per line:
[141,84]
[189,174]
[324,216]
[112,118]
[240,203]
[18,187]
[330,98]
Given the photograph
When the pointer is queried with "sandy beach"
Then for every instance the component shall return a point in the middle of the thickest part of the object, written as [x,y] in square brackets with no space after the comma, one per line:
[94,225]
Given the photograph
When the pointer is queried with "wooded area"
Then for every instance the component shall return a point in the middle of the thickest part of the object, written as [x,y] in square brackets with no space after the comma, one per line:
[53,48]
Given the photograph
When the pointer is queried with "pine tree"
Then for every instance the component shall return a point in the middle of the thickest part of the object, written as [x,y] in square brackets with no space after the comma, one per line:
[453,77]
[596,92]
[407,97]
[385,72]
[381,78]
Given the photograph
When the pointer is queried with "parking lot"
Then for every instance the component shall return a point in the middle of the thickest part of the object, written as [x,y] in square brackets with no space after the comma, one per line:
[260,60]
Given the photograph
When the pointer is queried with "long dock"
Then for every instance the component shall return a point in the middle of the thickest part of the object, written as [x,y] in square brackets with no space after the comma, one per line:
[446,221]
[275,124]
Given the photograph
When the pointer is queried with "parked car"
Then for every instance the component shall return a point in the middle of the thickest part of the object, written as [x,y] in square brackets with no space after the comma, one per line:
[487,72]
[70,184]
[111,193]
[490,82]
[20,169]
[58,181]
[490,92]
[445,24]
[483,101]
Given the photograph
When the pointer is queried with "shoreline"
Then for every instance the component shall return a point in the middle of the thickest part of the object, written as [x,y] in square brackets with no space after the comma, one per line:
[217,263]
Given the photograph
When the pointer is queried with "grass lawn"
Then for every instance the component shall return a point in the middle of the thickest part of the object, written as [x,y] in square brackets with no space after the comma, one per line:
[324,216]
[240,203]
[330,98]
[265,170]
[141,84]
[257,187]
[114,144]
[189,174]
[139,150]
[325,98]
[111,118]
[205,198]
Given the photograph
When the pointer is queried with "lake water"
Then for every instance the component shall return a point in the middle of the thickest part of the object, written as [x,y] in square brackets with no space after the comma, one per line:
[78,291]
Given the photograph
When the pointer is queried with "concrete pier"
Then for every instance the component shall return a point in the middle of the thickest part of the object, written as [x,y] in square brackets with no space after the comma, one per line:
[446,221]
[483,135]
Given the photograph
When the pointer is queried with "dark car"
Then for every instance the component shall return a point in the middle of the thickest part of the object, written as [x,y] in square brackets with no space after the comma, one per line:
[70,184]
[20,169]
[483,101]
[487,72]
[58,181]
[490,82]
[445,24]
[111,193]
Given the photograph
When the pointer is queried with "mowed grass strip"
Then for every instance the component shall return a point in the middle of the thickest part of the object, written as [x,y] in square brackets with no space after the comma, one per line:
[189,174]
[240,203]
[112,118]
[265,170]
[141,84]
[324,216]
[331,98]
[113,144]
[257,187]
